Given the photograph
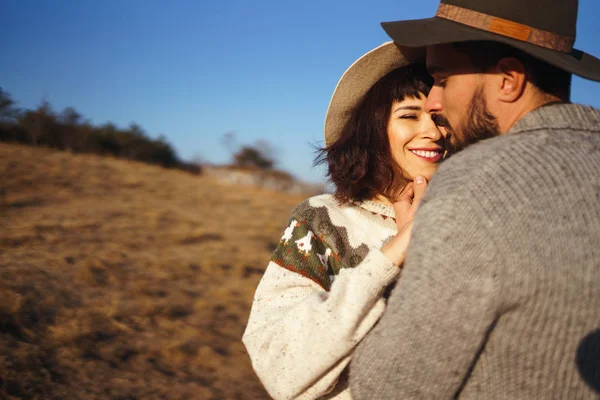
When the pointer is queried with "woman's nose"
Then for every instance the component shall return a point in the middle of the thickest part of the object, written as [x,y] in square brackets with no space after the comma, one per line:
[430,129]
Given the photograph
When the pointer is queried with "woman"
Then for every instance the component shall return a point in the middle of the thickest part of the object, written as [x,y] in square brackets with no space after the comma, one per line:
[324,287]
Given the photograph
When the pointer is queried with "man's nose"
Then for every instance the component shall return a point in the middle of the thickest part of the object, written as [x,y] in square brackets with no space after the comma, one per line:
[433,104]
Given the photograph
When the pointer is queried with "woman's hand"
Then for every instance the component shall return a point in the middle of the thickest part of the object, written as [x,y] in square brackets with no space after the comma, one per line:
[405,208]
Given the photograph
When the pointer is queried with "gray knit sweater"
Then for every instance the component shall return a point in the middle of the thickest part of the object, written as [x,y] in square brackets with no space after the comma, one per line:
[500,293]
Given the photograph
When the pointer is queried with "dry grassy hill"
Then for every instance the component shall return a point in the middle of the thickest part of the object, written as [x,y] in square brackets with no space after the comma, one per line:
[121,280]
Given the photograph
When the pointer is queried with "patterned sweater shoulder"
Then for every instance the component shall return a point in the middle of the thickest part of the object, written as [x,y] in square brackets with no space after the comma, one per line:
[322,237]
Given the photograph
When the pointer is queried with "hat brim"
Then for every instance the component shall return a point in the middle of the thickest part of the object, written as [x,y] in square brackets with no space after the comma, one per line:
[433,31]
[360,77]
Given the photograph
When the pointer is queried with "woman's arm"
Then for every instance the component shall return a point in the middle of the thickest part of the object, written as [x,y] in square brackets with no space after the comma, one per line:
[300,336]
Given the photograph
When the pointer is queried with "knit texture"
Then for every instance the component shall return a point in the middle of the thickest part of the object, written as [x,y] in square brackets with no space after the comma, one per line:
[320,295]
[500,292]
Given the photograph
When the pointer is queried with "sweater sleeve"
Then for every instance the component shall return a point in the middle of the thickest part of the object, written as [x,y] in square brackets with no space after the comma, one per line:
[440,312]
[302,327]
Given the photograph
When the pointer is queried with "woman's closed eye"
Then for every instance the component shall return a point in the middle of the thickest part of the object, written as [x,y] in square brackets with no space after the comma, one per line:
[409,116]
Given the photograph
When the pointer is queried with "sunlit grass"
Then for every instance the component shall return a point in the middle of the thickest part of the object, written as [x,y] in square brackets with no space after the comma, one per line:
[127,281]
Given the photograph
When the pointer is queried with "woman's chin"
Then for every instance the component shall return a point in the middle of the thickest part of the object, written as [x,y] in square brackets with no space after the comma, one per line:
[426,174]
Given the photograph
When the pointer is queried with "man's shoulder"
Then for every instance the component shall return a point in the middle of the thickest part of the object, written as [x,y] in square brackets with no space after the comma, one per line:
[561,116]
[546,136]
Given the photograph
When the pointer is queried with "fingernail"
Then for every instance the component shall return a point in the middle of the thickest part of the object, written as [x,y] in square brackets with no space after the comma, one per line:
[419,179]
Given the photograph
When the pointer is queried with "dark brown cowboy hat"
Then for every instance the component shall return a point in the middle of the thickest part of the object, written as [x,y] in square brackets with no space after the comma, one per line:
[544,29]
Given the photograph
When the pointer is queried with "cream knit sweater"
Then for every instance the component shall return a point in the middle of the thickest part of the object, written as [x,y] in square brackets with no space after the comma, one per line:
[320,295]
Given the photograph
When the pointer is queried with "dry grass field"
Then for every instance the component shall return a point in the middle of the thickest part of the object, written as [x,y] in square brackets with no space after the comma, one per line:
[121,280]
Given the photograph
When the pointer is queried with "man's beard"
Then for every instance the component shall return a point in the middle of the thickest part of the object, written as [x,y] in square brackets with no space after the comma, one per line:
[478,125]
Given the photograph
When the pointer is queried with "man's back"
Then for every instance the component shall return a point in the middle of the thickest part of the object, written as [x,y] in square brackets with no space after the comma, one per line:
[500,296]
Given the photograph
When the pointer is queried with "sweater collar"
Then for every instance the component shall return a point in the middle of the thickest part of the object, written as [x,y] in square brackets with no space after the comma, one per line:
[377,208]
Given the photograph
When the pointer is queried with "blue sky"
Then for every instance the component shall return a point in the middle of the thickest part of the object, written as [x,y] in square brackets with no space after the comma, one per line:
[194,70]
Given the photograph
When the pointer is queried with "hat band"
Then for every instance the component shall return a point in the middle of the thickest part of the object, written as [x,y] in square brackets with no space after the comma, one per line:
[505,27]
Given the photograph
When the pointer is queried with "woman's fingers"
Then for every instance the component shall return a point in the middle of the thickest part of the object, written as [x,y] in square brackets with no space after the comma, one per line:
[405,208]
[403,203]
[419,187]
[402,211]
[408,201]
[407,193]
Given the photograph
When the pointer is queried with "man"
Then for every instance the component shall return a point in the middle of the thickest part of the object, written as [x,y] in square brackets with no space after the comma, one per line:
[500,292]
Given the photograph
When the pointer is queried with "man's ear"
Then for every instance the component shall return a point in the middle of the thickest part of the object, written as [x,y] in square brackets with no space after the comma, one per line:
[512,79]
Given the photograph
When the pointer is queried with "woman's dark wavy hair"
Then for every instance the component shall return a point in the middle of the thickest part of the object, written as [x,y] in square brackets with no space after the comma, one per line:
[359,162]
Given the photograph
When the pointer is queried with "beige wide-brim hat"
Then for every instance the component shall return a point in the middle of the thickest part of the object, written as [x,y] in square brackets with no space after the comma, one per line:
[359,78]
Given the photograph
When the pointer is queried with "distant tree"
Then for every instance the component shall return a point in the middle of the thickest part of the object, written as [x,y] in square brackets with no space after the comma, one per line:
[163,153]
[72,136]
[133,142]
[105,140]
[136,130]
[70,116]
[85,133]
[40,125]
[259,155]
[250,156]
[8,113]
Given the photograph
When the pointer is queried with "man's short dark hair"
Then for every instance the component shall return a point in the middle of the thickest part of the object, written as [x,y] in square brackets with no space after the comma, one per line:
[360,161]
[546,77]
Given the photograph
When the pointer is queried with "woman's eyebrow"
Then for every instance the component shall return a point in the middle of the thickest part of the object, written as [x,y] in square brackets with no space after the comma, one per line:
[412,108]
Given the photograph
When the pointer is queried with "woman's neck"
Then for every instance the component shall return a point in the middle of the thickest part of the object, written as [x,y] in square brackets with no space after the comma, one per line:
[382,199]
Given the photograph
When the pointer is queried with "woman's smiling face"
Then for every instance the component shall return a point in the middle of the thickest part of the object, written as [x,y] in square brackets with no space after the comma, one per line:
[415,141]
